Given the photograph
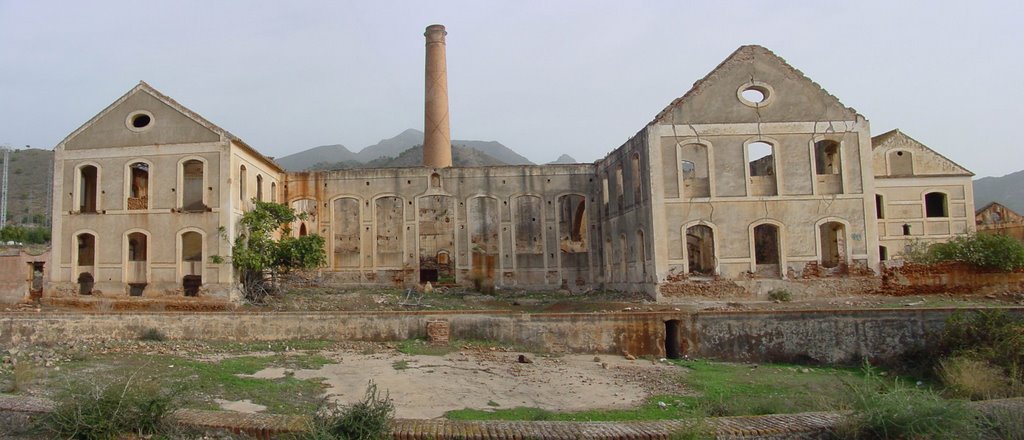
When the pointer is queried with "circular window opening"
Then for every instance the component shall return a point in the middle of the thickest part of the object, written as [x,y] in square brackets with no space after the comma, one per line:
[141,121]
[754,95]
[899,153]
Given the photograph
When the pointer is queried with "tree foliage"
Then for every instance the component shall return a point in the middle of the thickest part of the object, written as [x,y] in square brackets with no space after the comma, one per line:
[22,234]
[265,246]
[985,251]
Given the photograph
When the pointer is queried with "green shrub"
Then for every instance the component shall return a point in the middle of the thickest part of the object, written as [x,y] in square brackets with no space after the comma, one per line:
[152,334]
[90,411]
[897,411]
[992,336]
[780,295]
[985,251]
[368,419]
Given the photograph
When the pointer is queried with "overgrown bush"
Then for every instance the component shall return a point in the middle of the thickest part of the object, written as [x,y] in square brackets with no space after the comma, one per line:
[780,295]
[152,334]
[883,410]
[973,378]
[984,251]
[995,337]
[1002,423]
[368,419]
[90,411]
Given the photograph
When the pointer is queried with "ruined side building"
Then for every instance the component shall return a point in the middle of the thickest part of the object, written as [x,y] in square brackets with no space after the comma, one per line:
[756,172]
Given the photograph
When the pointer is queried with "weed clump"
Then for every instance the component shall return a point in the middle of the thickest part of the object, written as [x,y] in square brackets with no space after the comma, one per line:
[152,335]
[884,410]
[89,411]
[368,419]
[780,295]
[994,341]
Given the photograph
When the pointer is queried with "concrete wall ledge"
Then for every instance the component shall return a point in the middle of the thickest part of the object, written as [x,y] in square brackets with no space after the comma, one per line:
[810,425]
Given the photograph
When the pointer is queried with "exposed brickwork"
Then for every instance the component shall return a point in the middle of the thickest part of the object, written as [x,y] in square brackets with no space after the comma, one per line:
[438,332]
[918,279]
[709,288]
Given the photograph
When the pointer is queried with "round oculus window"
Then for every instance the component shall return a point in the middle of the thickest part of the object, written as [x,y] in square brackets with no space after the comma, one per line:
[139,121]
[755,94]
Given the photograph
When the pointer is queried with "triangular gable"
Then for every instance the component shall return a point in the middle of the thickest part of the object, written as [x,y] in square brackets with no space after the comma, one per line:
[794,96]
[173,123]
[925,160]
[996,213]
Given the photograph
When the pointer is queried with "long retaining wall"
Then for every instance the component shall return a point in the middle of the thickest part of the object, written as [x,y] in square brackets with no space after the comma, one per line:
[830,336]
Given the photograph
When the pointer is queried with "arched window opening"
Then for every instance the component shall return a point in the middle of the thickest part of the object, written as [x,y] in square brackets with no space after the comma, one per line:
[302,230]
[906,229]
[192,182]
[766,250]
[241,183]
[833,244]
[273,192]
[637,178]
[192,262]
[700,250]
[762,159]
[137,256]
[347,239]
[883,253]
[619,190]
[694,165]
[259,187]
[826,157]
[572,224]
[901,163]
[88,186]
[641,254]
[936,205]
[86,260]
[138,192]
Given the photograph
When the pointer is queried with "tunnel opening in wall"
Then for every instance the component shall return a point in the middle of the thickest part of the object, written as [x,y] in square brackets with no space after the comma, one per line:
[673,341]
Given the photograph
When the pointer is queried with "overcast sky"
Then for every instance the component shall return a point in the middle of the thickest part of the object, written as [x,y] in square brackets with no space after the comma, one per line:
[544,78]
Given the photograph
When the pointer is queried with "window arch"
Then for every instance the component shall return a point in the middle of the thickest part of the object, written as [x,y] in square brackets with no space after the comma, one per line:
[241,182]
[827,159]
[833,245]
[83,260]
[87,183]
[936,205]
[700,247]
[191,255]
[259,187]
[695,163]
[137,178]
[636,175]
[767,249]
[135,260]
[273,192]
[192,184]
[761,168]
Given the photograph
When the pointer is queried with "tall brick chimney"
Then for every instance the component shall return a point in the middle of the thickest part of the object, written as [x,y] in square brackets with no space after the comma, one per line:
[437,138]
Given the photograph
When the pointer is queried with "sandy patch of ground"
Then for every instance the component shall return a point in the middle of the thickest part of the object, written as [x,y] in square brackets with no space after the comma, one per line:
[428,386]
[242,406]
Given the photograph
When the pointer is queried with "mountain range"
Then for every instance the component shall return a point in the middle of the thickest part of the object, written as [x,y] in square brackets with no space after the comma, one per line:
[1007,190]
[387,153]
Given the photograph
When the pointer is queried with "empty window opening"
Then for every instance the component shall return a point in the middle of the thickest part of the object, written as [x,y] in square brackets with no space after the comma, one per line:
[826,157]
[141,120]
[641,253]
[689,169]
[618,185]
[85,283]
[694,170]
[700,250]
[435,180]
[635,175]
[833,244]
[901,163]
[192,257]
[883,253]
[241,183]
[604,190]
[138,192]
[673,345]
[879,206]
[906,229]
[273,192]
[755,94]
[766,244]
[428,275]
[762,159]
[935,205]
[86,249]
[36,280]
[88,189]
[259,187]
[137,246]
[572,225]
[192,180]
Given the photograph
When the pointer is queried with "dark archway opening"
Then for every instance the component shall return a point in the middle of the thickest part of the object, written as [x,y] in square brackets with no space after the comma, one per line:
[191,284]
[673,345]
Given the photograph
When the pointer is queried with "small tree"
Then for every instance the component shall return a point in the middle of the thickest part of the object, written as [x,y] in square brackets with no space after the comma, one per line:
[256,251]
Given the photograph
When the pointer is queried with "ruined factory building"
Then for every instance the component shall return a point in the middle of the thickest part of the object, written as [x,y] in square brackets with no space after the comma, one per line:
[755,172]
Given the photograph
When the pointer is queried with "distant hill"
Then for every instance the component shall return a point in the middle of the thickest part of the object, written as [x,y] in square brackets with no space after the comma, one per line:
[26,186]
[1008,190]
[563,159]
[392,148]
[461,157]
[308,158]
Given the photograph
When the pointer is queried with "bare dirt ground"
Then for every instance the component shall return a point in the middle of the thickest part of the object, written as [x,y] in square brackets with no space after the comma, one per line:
[428,386]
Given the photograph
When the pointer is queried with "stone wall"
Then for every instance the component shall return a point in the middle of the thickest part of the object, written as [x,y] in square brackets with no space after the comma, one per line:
[832,336]
[912,279]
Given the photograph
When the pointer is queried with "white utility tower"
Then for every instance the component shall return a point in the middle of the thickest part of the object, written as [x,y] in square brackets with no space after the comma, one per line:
[3,195]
